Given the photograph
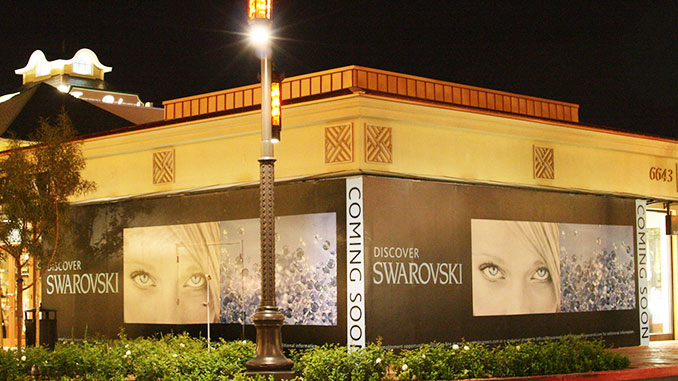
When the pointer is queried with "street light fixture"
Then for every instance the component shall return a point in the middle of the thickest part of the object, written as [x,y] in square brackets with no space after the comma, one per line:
[276,108]
[260,34]
[260,10]
[268,319]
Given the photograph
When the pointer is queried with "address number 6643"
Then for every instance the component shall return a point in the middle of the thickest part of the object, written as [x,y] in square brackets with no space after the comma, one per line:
[661,174]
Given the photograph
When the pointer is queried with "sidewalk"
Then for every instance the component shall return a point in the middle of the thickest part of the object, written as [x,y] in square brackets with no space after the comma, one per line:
[659,353]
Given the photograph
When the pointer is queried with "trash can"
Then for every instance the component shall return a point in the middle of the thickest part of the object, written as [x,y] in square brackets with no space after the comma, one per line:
[48,328]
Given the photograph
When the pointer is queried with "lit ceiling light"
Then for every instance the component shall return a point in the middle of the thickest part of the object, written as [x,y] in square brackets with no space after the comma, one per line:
[108,99]
[76,94]
[63,88]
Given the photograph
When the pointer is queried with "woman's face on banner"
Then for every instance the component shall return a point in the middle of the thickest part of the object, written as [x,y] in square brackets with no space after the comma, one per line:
[159,288]
[509,276]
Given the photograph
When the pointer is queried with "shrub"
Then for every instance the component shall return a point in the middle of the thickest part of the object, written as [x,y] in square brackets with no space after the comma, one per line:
[7,361]
[444,362]
[371,363]
[569,354]
[175,357]
[167,357]
[335,363]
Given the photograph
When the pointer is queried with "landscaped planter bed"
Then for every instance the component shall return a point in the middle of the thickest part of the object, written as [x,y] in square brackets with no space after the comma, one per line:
[175,357]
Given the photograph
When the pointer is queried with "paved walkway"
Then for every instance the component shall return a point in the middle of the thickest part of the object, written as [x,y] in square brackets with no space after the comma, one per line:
[659,353]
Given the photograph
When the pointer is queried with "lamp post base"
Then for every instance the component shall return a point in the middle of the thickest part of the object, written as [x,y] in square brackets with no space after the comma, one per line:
[269,359]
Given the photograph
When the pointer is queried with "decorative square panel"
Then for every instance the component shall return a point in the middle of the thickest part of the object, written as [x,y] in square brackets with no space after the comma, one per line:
[378,144]
[163,167]
[544,167]
[339,144]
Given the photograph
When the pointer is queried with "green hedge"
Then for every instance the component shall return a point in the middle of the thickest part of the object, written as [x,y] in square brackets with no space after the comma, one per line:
[567,355]
[171,357]
[181,357]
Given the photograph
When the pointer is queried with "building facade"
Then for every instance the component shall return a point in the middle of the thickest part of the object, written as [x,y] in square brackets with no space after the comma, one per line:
[409,209]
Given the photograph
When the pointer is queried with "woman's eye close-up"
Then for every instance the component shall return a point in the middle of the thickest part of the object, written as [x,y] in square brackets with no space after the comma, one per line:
[491,271]
[142,279]
[196,280]
[542,274]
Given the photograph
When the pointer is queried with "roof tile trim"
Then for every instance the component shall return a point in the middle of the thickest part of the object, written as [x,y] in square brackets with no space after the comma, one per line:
[385,82]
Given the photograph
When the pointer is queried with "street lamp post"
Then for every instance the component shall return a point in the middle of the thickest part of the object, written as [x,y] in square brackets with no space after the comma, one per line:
[268,319]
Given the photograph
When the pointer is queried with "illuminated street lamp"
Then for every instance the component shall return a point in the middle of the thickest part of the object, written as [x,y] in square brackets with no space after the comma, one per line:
[268,319]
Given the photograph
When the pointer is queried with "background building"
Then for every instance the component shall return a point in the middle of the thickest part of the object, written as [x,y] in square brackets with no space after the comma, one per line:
[76,86]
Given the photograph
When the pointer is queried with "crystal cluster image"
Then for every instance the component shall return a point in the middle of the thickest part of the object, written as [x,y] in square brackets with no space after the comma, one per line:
[234,280]
[596,268]
[306,269]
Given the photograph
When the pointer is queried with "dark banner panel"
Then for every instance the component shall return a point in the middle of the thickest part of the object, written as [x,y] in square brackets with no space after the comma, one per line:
[446,262]
[146,265]
[87,294]
[409,261]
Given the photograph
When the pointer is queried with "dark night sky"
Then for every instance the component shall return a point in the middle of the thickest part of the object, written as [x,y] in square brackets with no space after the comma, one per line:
[617,60]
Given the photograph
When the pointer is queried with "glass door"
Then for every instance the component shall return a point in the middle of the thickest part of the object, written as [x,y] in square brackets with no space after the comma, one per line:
[659,277]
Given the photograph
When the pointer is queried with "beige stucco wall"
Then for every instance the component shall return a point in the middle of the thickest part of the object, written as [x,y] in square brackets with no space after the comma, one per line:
[428,141]
[432,141]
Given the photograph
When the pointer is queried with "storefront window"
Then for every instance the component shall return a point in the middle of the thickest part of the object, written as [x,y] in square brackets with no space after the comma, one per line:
[659,277]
